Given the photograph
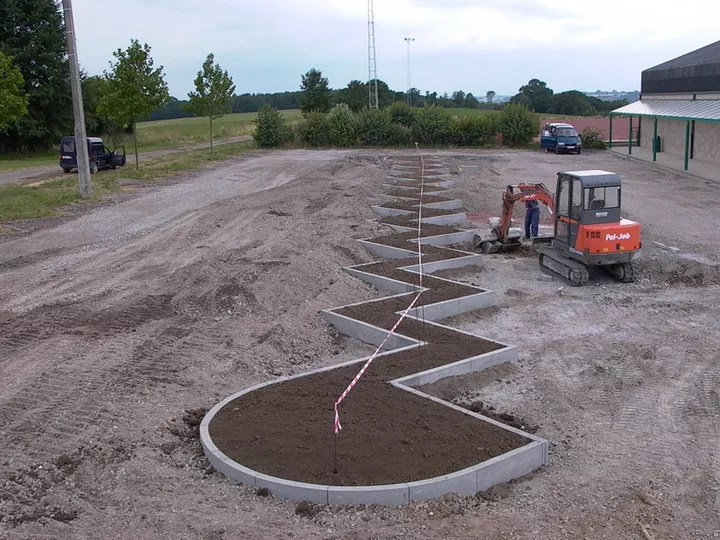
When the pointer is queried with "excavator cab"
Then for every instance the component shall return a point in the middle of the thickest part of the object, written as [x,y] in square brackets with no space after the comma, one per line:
[589,229]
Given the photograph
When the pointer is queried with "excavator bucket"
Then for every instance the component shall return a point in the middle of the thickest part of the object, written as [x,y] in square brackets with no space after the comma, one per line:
[493,245]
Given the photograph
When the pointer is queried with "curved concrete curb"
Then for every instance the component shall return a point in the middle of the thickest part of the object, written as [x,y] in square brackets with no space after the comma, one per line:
[468,481]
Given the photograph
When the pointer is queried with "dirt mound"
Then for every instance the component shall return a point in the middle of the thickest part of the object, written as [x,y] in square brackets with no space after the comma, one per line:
[673,269]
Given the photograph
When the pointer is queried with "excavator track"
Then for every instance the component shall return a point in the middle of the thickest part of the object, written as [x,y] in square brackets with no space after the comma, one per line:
[553,263]
[624,272]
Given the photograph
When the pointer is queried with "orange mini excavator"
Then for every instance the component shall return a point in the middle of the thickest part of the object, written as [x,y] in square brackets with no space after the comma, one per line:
[588,228]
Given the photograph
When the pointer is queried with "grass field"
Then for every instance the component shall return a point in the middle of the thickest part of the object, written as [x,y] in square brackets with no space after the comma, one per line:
[42,199]
[163,134]
[167,134]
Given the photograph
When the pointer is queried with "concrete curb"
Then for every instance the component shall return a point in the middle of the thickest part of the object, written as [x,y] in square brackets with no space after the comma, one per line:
[468,481]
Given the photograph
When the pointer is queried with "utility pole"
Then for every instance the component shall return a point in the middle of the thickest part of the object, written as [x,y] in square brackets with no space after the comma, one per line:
[372,59]
[409,86]
[81,147]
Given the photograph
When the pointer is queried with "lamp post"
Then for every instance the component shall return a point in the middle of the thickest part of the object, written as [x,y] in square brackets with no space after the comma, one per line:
[409,96]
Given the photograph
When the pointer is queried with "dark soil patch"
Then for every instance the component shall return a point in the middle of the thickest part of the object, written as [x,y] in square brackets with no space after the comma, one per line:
[506,418]
[414,191]
[412,205]
[402,239]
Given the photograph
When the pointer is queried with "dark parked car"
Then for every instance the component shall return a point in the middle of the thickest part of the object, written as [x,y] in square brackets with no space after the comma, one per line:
[560,137]
[100,155]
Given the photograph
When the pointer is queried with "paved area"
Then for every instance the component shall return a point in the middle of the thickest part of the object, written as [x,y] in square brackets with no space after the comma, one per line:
[120,327]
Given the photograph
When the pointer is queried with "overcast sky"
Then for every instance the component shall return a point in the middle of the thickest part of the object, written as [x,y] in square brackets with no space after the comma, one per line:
[473,45]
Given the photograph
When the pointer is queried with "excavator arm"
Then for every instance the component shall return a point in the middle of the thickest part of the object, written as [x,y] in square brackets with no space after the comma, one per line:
[521,193]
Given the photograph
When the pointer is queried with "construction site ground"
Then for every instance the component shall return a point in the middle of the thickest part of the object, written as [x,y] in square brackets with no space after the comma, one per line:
[121,325]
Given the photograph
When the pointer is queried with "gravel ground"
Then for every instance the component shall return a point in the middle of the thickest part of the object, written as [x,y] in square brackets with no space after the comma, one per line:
[120,327]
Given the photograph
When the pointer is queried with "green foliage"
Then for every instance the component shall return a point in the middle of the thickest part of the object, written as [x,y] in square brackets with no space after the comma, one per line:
[374,126]
[315,95]
[398,135]
[132,89]
[355,95]
[31,31]
[313,129]
[401,113]
[490,96]
[433,125]
[13,100]
[592,138]
[95,124]
[270,127]
[342,126]
[475,130]
[214,92]
[518,125]
[535,95]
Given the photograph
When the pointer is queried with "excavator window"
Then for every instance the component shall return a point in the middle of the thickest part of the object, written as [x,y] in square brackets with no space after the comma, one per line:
[576,211]
[602,197]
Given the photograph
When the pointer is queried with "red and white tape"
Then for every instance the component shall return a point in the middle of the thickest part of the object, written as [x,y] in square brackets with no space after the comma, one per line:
[362,371]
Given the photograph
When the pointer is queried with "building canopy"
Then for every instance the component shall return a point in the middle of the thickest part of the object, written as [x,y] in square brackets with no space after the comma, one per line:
[702,110]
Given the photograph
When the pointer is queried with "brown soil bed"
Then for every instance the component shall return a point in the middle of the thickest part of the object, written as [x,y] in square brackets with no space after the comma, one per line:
[390,435]
[414,191]
[402,239]
[412,205]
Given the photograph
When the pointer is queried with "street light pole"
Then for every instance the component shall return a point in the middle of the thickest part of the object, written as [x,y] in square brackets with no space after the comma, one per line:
[409,96]
[81,147]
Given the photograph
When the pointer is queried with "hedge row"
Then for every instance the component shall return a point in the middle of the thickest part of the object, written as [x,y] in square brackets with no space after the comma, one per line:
[397,125]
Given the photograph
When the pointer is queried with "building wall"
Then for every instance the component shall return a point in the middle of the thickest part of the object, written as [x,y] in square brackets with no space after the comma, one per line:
[707,142]
[672,132]
[699,95]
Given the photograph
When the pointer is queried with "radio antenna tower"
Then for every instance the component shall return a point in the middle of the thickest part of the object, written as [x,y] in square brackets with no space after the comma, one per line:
[372,61]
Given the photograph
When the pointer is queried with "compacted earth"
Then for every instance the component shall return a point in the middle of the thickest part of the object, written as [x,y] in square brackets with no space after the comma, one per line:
[122,324]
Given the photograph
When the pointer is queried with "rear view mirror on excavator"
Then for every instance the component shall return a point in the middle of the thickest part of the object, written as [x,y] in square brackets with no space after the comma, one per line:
[588,229]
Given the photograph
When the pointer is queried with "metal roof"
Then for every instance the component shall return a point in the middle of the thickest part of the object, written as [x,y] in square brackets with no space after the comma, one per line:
[710,54]
[594,178]
[703,110]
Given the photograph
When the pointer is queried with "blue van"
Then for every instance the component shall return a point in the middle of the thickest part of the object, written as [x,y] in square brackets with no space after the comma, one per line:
[100,155]
[560,137]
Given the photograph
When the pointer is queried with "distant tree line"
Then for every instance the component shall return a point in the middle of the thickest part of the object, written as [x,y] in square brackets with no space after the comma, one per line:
[36,103]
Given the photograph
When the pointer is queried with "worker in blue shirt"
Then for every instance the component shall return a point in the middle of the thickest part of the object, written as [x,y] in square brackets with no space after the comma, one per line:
[532,218]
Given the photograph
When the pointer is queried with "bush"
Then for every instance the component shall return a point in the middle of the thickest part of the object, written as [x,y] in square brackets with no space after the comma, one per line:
[518,125]
[401,113]
[592,138]
[313,130]
[373,126]
[398,135]
[270,127]
[475,130]
[433,125]
[342,126]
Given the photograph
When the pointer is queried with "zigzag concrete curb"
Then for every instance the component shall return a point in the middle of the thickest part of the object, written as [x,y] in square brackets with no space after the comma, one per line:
[468,481]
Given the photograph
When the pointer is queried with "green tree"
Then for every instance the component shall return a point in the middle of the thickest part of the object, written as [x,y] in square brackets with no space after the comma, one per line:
[13,100]
[214,93]
[535,95]
[490,96]
[401,113]
[342,126]
[518,125]
[572,103]
[355,95]
[32,32]
[458,98]
[374,126]
[270,127]
[315,95]
[95,123]
[133,88]
[471,102]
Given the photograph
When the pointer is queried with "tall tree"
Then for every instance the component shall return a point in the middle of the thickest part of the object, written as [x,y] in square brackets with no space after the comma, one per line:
[535,95]
[471,102]
[13,100]
[490,96]
[355,95]
[133,88]
[32,32]
[214,93]
[459,98]
[315,92]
